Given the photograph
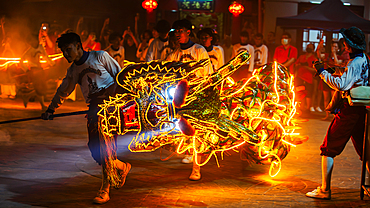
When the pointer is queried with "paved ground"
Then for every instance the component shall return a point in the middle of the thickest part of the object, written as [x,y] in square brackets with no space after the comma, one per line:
[48,164]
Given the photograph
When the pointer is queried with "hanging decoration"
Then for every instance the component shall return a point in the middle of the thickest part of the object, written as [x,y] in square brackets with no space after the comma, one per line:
[149,5]
[236,8]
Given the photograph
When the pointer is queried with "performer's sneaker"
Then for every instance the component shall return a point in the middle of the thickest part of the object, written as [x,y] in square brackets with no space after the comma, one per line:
[187,159]
[102,197]
[319,194]
[318,109]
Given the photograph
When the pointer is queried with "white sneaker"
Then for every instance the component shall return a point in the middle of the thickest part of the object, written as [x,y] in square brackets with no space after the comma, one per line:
[318,109]
[312,109]
[319,194]
[187,159]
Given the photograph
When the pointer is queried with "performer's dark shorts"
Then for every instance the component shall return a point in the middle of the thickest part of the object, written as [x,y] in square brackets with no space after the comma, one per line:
[38,79]
[348,123]
[92,123]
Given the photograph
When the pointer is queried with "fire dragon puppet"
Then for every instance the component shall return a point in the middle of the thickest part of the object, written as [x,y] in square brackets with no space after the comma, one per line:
[167,105]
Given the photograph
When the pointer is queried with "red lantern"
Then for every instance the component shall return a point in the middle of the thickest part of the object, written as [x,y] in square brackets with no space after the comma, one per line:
[236,8]
[149,5]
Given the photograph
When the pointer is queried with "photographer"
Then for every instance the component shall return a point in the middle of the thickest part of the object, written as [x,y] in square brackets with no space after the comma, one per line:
[349,121]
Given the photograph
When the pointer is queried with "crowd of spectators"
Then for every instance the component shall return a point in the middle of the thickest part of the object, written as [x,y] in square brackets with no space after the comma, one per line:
[160,42]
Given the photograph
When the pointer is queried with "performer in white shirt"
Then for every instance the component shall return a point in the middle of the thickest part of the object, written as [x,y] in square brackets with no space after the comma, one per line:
[95,72]
[206,38]
[115,50]
[157,45]
[260,51]
[189,51]
[244,71]
[173,45]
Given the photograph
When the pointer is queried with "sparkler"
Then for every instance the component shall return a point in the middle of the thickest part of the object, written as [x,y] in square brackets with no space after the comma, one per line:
[11,61]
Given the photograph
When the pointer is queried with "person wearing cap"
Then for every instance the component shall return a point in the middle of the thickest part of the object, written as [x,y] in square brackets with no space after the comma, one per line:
[349,121]
[157,45]
[207,40]
[244,71]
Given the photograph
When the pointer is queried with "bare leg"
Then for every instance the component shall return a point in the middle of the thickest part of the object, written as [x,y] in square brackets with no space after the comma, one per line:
[326,103]
[327,164]
[323,191]
[308,103]
[195,173]
[105,184]
[103,194]
[42,103]
[315,93]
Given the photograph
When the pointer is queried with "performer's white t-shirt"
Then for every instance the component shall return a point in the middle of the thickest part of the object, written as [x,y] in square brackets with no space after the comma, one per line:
[217,57]
[260,55]
[237,48]
[155,49]
[95,74]
[195,52]
[118,55]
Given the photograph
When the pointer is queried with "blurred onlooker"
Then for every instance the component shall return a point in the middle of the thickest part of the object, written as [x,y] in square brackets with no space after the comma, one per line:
[6,50]
[47,40]
[130,44]
[83,33]
[286,54]
[35,71]
[146,39]
[172,46]
[260,51]
[271,45]
[246,70]
[216,43]
[115,50]
[333,59]
[157,45]
[306,77]
[104,34]
[91,44]
[342,50]
[228,48]
[206,39]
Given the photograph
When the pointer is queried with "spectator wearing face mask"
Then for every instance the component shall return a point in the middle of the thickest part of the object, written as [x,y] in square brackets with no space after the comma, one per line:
[286,54]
